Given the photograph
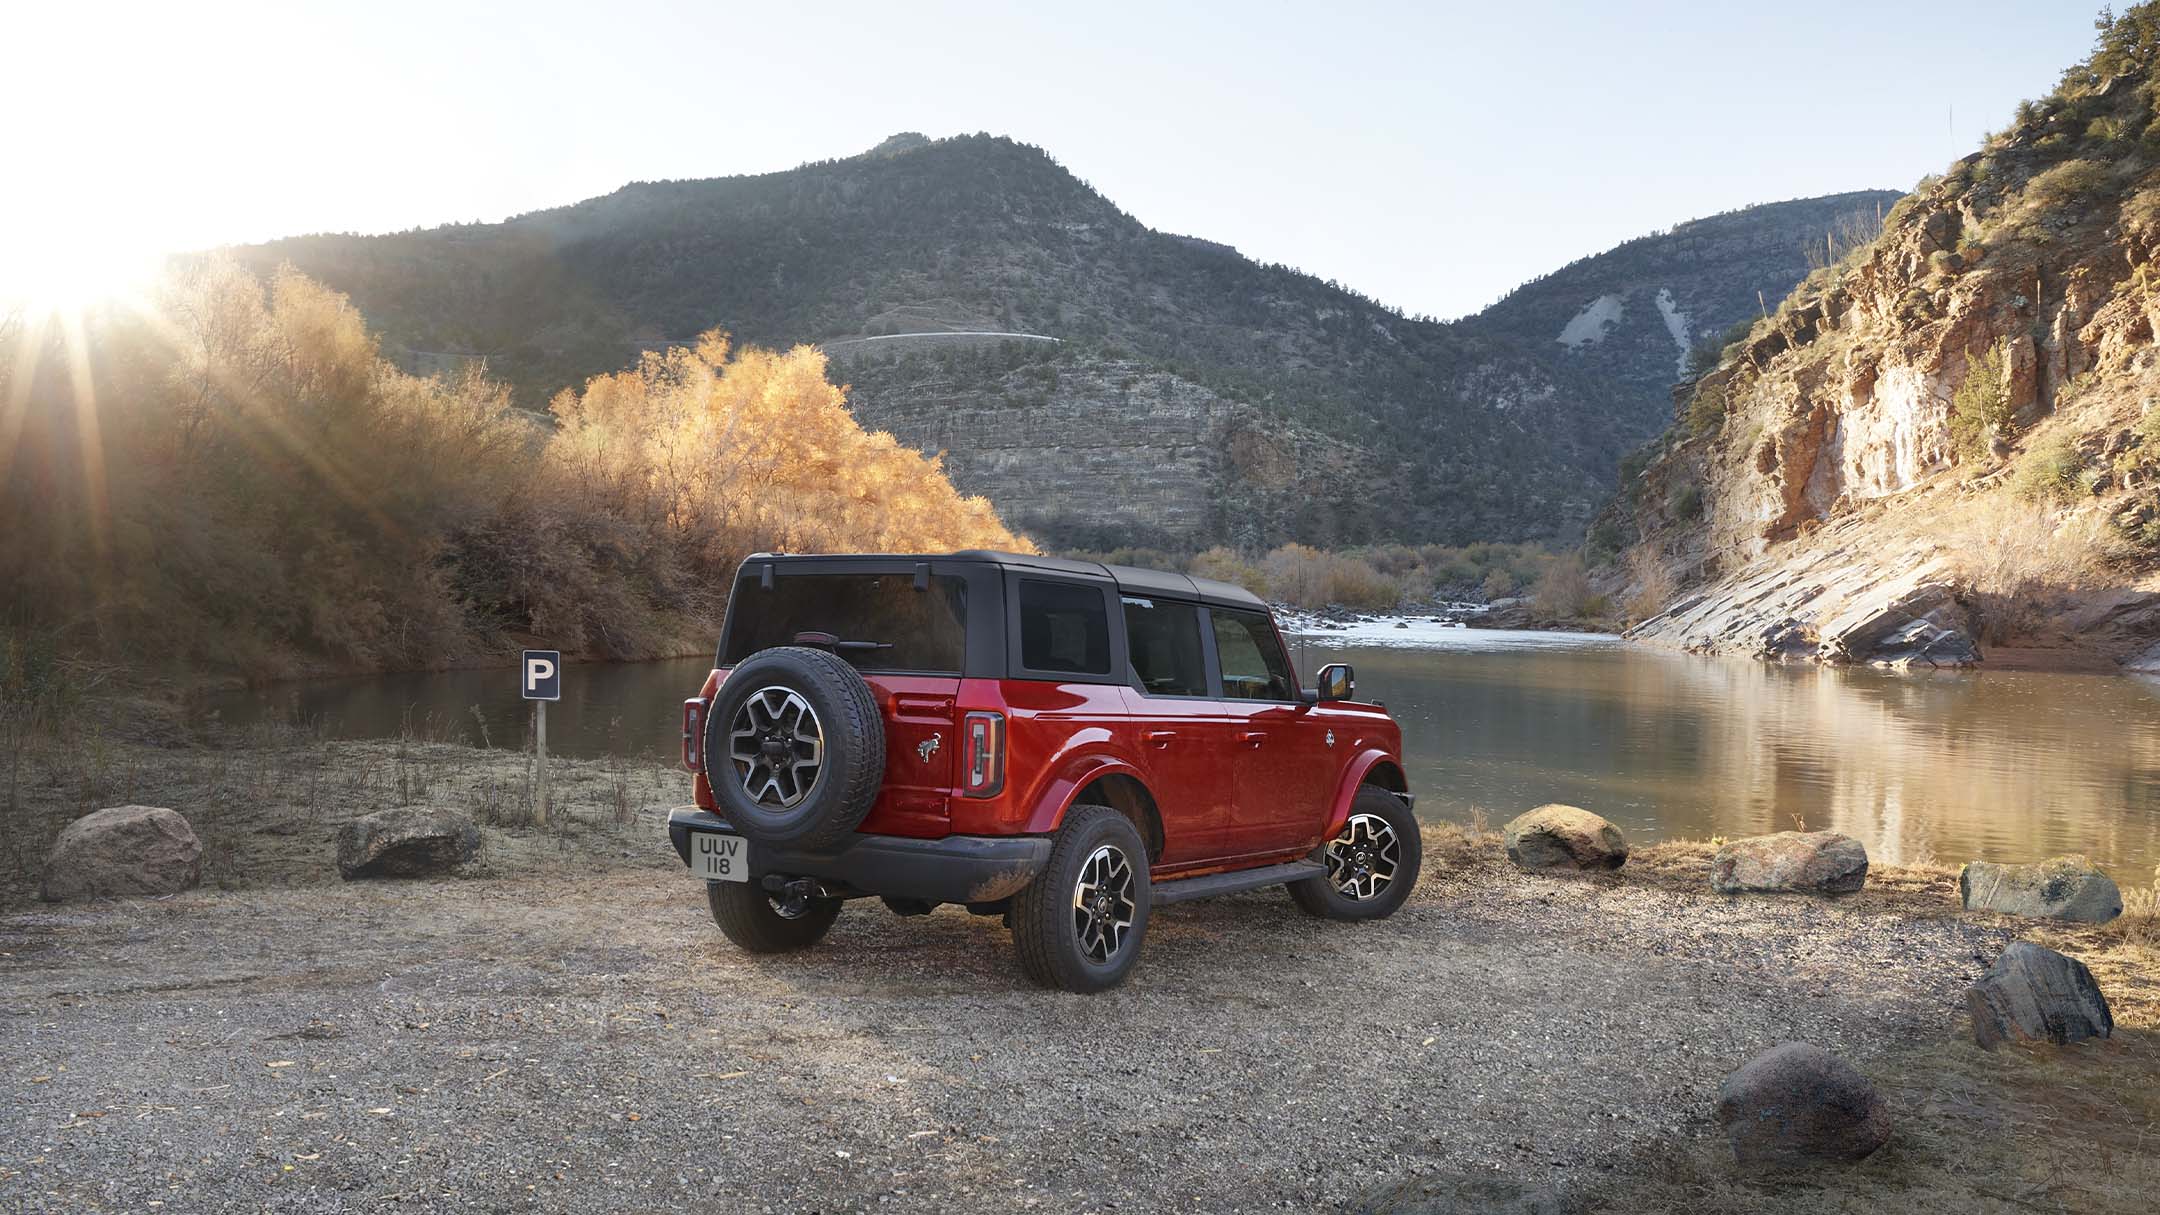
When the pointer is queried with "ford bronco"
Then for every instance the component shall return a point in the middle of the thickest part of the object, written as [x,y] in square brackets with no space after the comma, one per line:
[1065,744]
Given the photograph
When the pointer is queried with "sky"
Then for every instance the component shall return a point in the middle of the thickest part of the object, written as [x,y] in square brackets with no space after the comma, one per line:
[1431,156]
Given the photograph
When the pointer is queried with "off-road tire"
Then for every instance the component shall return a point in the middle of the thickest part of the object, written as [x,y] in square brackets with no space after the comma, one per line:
[1323,896]
[748,917]
[1046,934]
[846,783]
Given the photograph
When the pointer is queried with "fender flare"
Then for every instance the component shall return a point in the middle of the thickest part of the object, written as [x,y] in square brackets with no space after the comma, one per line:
[1369,767]
[1077,773]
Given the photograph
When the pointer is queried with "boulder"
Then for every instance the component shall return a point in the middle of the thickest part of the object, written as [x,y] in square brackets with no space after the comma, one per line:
[410,842]
[1564,837]
[123,850]
[1799,1104]
[2033,994]
[2065,888]
[1790,862]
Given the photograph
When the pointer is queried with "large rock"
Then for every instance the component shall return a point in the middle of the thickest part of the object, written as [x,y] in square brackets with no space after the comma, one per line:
[1799,1104]
[411,842]
[2065,888]
[1922,626]
[1790,862]
[1564,837]
[123,850]
[2037,995]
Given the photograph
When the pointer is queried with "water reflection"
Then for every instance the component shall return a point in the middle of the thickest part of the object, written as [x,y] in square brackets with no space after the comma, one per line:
[2010,765]
[1943,766]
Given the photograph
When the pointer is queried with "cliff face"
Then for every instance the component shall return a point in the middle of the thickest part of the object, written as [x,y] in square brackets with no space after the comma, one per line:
[1945,440]
[1101,453]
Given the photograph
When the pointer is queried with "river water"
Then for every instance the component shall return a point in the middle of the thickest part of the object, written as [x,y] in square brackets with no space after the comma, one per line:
[1945,767]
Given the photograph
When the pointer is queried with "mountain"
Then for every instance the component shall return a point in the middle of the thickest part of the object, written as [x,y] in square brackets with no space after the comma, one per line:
[1174,391]
[1634,313]
[1946,443]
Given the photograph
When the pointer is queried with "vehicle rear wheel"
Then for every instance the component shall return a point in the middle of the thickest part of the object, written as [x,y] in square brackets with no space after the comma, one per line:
[1373,862]
[795,748]
[1079,925]
[763,923]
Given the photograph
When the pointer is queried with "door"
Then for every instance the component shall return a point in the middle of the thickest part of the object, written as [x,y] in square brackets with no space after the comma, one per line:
[1282,769]
[1178,726]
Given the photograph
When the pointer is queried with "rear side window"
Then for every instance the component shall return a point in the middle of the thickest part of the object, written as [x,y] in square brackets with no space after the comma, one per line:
[913,630]
[1254,666]
[1163,637]
[1064,627]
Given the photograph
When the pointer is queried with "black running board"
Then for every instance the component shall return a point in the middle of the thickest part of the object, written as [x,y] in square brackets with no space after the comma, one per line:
[1186,889]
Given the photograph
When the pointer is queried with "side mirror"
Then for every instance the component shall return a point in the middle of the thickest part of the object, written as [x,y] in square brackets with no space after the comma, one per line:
[1337,682]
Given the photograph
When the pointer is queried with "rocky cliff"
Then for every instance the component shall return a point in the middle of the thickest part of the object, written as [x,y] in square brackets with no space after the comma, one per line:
[1944,442]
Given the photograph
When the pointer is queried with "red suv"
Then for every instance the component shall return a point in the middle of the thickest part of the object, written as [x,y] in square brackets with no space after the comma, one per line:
[1066,744]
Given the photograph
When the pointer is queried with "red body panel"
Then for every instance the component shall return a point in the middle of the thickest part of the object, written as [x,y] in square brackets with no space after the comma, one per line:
[1226,798]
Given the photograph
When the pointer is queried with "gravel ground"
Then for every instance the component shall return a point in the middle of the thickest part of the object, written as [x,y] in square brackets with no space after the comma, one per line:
[584,1040]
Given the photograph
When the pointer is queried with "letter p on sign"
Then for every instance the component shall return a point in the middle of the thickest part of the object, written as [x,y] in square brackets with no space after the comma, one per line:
[543,675]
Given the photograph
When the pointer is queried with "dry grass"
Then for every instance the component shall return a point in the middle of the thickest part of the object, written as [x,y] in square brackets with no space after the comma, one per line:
[267,806]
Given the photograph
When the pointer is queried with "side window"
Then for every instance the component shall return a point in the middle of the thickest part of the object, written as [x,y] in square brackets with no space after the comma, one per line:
[1164,639]
[1253,664]
[1064,627]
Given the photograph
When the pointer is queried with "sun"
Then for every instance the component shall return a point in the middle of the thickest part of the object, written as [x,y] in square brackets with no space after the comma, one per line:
[68,273]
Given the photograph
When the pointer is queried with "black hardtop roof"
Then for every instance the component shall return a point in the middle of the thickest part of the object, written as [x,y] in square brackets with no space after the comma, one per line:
[1129,579]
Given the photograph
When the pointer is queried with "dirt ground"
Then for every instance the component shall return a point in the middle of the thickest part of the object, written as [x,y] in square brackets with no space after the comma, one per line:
[563,1029]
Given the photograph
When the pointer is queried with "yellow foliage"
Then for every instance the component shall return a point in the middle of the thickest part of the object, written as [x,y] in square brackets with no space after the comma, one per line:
[758,447]
[232,477]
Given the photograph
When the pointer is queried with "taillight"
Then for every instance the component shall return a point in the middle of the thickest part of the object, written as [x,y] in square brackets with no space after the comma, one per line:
[982,755]
[693,733]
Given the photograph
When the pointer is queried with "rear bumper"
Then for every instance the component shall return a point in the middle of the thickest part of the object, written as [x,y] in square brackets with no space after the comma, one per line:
[956,869]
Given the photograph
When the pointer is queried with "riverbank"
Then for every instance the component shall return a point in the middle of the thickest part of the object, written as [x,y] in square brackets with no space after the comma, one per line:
[562,1028]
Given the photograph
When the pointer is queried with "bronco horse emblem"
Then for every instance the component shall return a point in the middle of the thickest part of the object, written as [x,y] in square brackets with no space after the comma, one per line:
[928,747]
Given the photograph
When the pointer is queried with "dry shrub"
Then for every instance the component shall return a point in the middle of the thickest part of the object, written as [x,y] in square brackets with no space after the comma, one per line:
[1565,589]
[1224,565]
[227,474]
[2016,563]
[2140,919]
[1653,581]
[1310,578]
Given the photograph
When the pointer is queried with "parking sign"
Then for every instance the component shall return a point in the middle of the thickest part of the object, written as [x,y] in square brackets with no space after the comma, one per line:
[543,675]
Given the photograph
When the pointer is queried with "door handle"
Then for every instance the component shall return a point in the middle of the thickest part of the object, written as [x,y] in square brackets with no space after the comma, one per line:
[1253,738]
[1160,738]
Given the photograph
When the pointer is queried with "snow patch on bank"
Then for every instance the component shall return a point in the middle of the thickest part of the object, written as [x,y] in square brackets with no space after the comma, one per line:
[1676,323]
[1591,324]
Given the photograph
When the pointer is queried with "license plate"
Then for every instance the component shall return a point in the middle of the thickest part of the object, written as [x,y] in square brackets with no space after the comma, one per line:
[719,858]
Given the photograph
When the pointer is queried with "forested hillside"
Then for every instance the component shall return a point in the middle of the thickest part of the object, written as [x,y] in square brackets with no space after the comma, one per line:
[1282,407]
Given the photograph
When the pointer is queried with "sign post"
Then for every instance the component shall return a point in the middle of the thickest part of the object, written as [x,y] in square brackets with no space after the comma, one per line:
[541,682]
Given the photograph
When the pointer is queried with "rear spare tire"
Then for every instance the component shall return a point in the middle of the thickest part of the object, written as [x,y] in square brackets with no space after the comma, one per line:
[795,748]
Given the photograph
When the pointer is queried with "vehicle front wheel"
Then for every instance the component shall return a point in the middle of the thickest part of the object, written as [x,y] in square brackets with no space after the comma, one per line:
[1372,864]
[762,923]
[1078,926]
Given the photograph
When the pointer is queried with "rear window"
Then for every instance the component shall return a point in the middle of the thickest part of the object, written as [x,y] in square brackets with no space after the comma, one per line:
[915,630]
[1064,627]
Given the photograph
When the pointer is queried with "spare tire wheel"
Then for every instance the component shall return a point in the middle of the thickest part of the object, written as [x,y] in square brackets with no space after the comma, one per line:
[795,748]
